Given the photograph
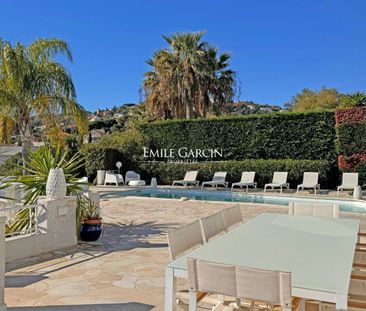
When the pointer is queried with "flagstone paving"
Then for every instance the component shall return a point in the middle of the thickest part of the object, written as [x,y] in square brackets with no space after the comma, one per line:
[124,270]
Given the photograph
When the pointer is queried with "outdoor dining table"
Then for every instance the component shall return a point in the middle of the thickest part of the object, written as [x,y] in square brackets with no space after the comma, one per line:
[317,251]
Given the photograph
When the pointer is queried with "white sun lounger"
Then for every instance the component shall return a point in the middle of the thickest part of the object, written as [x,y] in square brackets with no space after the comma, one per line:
[218,179]
[279,180]
[310,181]
[247,179]
[189,178]
[349,181]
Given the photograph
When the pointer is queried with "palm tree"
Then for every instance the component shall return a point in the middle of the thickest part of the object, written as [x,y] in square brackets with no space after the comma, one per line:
[188,79]
[34,85]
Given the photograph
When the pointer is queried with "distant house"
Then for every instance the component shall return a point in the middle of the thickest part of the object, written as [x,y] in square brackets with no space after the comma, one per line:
[96,134]
[118,115]
[265,110]
[94,118]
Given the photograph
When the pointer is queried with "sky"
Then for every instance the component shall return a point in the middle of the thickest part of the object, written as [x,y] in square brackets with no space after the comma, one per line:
[278,47]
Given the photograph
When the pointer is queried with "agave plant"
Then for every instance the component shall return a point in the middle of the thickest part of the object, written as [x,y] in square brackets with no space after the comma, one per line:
[39,164]
[38,167]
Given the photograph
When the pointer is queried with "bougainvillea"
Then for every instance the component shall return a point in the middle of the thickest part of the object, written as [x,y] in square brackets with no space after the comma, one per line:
[352,162]
[351,140]
[351,115]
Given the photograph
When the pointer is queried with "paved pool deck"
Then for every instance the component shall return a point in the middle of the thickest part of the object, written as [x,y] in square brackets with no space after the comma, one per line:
[124,270]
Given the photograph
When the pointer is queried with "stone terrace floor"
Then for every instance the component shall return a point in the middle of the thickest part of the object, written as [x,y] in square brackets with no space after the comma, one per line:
[124,270]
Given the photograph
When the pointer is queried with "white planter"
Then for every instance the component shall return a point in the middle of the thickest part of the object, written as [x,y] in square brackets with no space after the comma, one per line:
[154,183]
[56,184]
[100,177]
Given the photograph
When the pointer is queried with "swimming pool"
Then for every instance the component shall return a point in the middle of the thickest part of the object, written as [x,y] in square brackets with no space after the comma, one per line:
[227,196]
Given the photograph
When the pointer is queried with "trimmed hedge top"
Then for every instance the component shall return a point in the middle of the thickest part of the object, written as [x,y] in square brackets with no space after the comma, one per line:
[274,136]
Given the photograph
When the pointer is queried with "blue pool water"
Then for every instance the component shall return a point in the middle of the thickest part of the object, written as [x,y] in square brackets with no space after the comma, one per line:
[227,196]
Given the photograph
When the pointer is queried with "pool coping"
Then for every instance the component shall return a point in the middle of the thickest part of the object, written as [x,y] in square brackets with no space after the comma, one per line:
[102,189]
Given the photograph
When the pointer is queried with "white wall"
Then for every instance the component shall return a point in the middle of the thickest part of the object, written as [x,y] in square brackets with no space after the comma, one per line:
[57,229]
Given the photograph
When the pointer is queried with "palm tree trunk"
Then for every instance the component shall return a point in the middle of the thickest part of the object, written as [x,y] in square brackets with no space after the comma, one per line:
[188,110]
[186,104]
[26,143]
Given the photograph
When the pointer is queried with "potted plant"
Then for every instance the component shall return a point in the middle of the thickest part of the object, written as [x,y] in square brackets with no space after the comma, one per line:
[91,225]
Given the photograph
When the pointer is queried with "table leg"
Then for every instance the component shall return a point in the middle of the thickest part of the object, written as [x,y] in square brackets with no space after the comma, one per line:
[170,289]
[341,302]
[192,306]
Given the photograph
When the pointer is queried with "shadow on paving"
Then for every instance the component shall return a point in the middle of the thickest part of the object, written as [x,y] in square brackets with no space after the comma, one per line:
[116,237]
[130,306]
[120,236]
[14,281]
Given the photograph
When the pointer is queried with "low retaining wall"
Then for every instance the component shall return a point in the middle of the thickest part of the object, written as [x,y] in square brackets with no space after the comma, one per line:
[2,263]
[56,229]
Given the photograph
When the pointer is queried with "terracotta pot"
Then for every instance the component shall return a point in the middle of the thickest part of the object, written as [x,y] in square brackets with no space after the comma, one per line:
[92,221]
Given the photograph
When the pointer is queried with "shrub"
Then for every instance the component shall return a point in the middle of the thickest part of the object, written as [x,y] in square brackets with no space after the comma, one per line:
[98,158]
[103,155]
[129,142]
[274,136]
[167,172]
[12,166]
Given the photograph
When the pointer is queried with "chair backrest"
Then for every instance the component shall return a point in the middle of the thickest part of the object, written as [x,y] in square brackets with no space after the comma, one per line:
[132,175]
[310,209]
[211,277]
[110,176]
[191,175]
[219,176]
[184,238]
[247,177]
[310,178]
[279,177]
[350,180]
[232,216]
[212,226]
[273,287]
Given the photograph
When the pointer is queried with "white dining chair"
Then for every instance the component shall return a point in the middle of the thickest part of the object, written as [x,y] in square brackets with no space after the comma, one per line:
[232,216]
[184,239]
[212,226]
[327,210]
[266,286]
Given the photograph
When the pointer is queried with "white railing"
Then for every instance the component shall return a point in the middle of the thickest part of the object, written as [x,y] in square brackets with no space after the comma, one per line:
[20,219]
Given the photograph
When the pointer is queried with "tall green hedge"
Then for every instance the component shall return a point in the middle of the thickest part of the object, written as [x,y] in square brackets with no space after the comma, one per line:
[273,136]
[351,138]
[167,172]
